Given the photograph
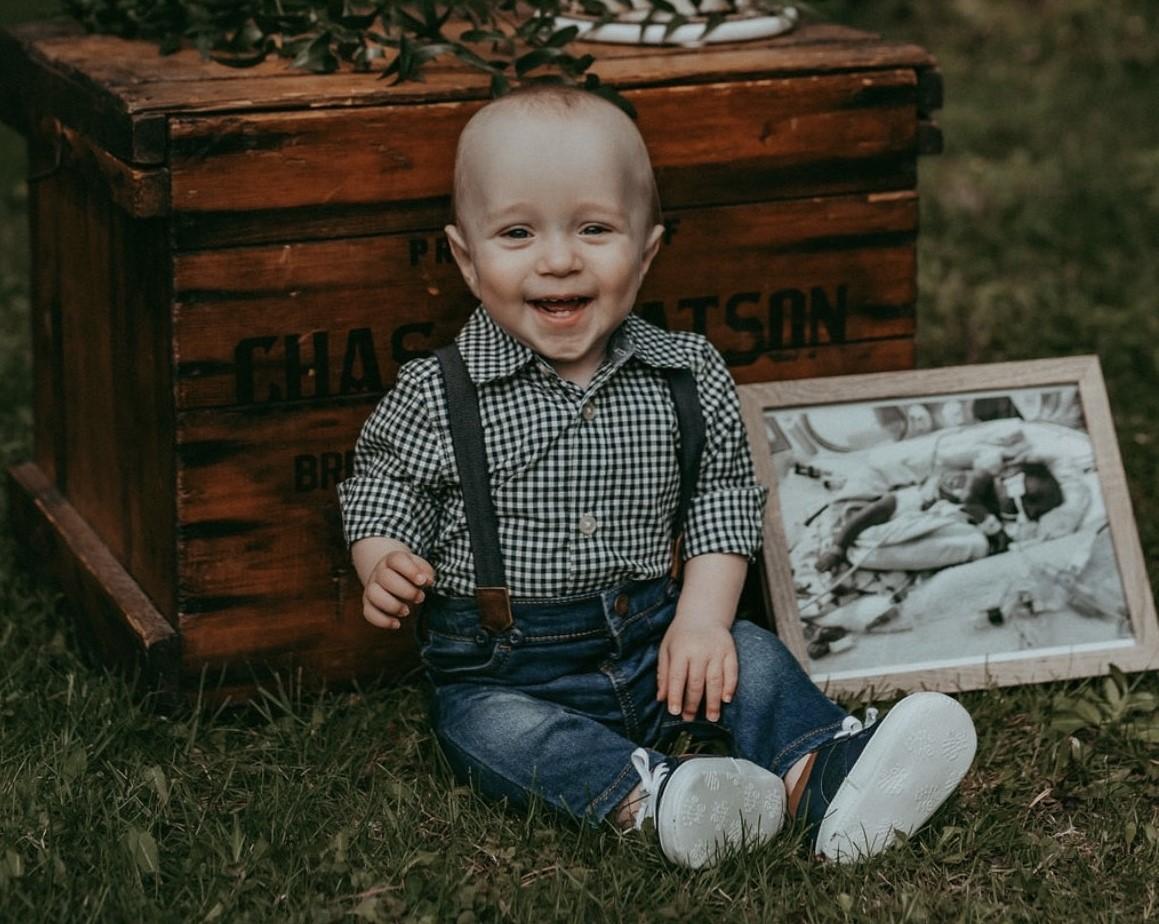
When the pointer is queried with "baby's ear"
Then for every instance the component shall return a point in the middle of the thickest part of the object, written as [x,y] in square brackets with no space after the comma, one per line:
[462,254]
[652,246]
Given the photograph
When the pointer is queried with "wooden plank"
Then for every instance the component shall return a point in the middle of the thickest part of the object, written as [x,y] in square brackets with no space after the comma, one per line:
[116,62]
[282,90]
[205,230]
[328,319]
[88,472]
[47,224]
[110,382]
[143,373]
[828,126]
[235,651]
[112,610]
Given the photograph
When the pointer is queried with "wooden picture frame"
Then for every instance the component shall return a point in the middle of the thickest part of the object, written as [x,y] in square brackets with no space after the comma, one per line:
[975,522]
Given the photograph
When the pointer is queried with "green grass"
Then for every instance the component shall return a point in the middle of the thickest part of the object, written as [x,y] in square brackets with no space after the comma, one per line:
[1039,230]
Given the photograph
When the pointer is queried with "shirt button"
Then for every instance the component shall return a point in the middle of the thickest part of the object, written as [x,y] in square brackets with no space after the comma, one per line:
[588,411]
[587,524]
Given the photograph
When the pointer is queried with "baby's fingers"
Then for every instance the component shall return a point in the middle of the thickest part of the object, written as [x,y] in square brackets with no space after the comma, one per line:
[381,608]
[713,690]
[421,574]
[399,585]
[693,690]
[728,689]
[662,673]
[677,674]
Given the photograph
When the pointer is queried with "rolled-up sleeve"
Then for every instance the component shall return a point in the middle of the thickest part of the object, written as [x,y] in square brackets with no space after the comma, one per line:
[727,509]
[398,471]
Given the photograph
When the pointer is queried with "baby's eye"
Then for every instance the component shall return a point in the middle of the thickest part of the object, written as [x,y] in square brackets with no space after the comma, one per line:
[516,234]
[593,229]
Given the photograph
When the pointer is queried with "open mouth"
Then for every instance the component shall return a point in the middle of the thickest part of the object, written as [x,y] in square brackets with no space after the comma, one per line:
[563,305]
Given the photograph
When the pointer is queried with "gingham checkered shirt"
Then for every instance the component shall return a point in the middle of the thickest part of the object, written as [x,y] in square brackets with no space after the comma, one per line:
[585,480]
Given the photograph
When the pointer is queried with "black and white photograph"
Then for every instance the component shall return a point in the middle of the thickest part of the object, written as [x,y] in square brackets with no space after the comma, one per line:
[955,534]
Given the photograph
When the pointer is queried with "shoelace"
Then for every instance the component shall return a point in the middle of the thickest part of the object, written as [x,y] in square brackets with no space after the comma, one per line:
[651,779]
[851,725]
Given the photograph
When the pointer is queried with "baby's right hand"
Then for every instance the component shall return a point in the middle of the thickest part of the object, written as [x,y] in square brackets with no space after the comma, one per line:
[394,587]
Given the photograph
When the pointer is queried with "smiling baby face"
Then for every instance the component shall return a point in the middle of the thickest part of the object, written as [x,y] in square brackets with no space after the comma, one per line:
[556,222]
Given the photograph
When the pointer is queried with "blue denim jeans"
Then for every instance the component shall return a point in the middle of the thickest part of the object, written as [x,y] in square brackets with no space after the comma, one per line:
[553,707]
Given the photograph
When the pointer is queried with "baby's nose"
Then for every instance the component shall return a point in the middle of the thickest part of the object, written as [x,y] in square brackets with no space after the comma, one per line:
[558,257]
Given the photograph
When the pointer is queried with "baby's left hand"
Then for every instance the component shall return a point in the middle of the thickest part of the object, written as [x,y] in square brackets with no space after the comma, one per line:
[697,661]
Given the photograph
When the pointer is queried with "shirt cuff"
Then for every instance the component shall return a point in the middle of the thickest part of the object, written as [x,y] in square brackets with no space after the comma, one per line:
[370,508]
[726,521]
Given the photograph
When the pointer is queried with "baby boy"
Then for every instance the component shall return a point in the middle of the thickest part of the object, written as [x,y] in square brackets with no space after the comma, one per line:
[533,484]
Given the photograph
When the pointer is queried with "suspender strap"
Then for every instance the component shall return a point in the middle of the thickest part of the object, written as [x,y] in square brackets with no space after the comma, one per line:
[682,384]
[491,592]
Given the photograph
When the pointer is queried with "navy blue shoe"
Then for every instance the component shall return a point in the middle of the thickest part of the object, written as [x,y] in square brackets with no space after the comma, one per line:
[872,781]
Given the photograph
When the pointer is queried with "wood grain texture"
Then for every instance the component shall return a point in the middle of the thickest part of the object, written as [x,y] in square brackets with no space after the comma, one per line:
[783,134]
[113,611]
[105,372]
[1083,372]
[265,575]
[45,207]
[787,282]
[88,469]
[212,230]
[143,379]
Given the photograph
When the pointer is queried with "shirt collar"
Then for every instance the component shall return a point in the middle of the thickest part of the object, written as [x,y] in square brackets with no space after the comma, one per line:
[649,343]
[491,353]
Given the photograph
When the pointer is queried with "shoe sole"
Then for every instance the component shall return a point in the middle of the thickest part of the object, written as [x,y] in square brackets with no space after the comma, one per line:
[911,765]
[713,806]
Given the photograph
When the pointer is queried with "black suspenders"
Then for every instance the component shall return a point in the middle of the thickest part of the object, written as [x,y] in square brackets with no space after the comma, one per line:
[491,593]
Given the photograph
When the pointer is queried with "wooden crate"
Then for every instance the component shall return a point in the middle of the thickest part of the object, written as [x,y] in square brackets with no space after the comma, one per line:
[230,266]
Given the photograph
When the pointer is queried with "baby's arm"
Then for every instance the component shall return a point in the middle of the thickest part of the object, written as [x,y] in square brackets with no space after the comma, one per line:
[390,504]
[393,578]
[722,533]
[880,511]
[697,655]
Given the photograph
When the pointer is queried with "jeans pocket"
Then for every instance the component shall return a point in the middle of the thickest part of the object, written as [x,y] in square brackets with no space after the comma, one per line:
[449,657]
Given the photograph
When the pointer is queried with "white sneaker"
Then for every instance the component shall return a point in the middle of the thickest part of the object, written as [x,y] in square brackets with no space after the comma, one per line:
[707,807]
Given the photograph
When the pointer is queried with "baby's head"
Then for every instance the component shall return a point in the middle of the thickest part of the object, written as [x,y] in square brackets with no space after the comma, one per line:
[556,220]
